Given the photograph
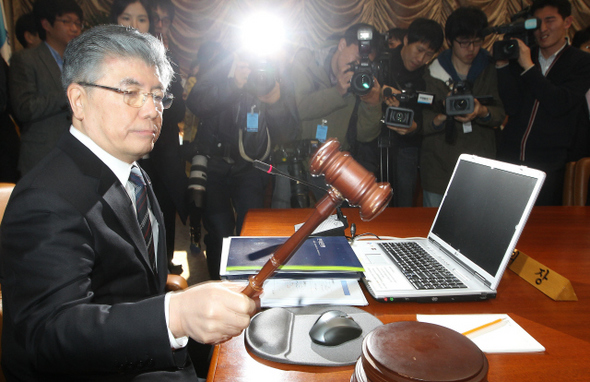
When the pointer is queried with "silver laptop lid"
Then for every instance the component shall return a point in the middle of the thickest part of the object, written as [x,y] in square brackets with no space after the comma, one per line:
[483,213]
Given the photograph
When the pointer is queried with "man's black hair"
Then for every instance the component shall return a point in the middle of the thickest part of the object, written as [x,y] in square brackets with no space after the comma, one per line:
[397,33]
[581,37]
[50,9]
[564,7]
[25,23]
[426,31]
[351,36]
[466,22]
[166,5]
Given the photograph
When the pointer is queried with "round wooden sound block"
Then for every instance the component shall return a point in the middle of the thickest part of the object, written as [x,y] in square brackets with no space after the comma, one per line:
[417,351]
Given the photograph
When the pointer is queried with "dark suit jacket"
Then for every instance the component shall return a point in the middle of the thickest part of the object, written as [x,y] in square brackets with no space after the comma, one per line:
[39,103]
[80,299]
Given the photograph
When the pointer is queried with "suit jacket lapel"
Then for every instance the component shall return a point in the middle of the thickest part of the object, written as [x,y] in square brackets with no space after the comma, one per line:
[115,196]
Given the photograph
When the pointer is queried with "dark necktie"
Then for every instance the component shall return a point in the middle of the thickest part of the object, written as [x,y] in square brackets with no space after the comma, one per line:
[143,216]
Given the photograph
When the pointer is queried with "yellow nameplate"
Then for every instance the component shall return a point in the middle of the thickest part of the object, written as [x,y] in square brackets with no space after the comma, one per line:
[541,277]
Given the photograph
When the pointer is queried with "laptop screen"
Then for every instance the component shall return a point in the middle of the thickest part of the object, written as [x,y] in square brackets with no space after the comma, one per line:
[481,210]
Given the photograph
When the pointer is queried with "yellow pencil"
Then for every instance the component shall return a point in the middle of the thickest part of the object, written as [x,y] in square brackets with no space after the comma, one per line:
[483,326]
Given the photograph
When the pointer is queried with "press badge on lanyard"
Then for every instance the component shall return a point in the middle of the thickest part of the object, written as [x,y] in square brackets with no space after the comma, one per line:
[252,121]
[467,128]
[322,131]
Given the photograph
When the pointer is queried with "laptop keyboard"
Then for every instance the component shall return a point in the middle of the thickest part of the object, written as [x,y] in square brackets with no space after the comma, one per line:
[420,268]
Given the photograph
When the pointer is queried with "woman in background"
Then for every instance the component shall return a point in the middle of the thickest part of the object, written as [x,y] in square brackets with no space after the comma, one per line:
[131,13]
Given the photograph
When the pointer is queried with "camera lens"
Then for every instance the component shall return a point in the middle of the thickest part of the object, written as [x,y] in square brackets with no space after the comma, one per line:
[460,104]
[399,116]
[510,48]
[363,81]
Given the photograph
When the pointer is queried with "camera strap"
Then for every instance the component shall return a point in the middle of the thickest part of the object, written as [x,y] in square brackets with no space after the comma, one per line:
[243,151]
[351,132]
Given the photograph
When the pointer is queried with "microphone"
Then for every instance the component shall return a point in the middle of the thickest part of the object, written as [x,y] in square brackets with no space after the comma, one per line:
[387,92]
[333,225]
[269,169]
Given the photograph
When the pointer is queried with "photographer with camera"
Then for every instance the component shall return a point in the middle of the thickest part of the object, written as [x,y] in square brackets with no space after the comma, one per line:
[327,105]
[242,110]
[459,124]
[423,39]
[544,94]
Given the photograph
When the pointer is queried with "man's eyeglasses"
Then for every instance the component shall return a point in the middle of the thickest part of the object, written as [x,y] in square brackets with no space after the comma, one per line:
[135,98]
[166,22]
[464,44]
[69,23]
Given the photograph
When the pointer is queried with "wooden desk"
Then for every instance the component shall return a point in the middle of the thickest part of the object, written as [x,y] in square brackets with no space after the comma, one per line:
[558,237]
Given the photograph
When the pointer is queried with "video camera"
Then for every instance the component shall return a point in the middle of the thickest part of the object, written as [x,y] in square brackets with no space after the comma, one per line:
[521,26]
[403,116]
[363,78]
[461,101]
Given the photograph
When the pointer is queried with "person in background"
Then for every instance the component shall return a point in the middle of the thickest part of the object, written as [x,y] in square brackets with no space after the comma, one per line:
[242,112]
[132,13]
[544,95]
[163,12]
[37,99]
[82,249]
[423,39]
[395,37]
[26,31]
[327,106]
[465,65]
[9,139]
[165,163]
[581,40]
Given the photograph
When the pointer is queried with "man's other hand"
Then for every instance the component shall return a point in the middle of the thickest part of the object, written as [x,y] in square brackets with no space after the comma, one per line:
[479,111]
[524,55]
[343,80]
[390,100]
[211,312]
[373,97]
[273,96]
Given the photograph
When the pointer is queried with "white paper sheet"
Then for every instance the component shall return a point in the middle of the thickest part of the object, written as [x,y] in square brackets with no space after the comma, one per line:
[506,337]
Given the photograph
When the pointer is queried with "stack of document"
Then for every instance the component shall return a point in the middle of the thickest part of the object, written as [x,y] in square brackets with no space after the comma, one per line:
[286,293]
[318,257]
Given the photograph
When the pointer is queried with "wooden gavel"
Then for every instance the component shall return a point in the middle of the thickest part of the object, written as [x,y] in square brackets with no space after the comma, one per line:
[348,180]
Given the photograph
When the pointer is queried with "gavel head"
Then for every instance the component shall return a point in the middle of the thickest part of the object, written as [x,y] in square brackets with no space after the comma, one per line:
[351,179]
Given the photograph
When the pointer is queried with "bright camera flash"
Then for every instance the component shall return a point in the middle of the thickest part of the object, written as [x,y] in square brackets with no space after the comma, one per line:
[263,34]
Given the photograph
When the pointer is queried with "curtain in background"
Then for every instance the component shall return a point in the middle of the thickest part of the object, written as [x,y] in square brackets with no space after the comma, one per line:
[310,22]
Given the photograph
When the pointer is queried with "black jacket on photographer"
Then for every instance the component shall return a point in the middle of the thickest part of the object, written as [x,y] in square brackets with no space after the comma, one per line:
[403,79]
[223,110]
[235,128]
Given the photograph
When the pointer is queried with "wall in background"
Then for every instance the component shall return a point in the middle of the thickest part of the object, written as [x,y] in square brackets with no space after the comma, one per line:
[310,22]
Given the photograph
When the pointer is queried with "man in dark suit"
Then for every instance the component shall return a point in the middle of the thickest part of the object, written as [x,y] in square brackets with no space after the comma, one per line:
[38,101]
[544,94]
[83,280]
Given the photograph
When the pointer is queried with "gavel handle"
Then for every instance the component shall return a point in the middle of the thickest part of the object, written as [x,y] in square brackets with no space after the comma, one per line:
[323,209]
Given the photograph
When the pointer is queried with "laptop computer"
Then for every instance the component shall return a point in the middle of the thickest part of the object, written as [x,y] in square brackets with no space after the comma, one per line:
[478,223]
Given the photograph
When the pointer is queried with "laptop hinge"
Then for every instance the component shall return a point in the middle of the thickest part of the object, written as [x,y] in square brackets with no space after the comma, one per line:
[463,265]
[482,279]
